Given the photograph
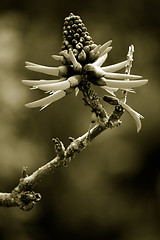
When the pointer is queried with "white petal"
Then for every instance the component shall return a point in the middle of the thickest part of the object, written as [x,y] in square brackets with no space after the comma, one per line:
[107,50]
[77,66]
[44,106]
[43,69]
[47,100]
[121,76]
[110,90]
[99,62]
[125,84]
[30,63]
[115,67]
[105,46]
[75,80]
[96,49]
[39,82]
[128,90]
[55,86]
[135,115]
[97,72]
[76,91]
[58,58]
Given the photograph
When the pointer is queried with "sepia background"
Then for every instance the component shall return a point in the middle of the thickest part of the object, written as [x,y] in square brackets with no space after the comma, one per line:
[112,189]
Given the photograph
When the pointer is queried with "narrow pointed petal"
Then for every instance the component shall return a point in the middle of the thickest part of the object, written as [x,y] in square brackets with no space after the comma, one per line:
[99,81]
[105,46]
[76,91]
[75,80]
[58,58]
[128,90]
[43,69]
[47,100]
[82,56]
[94,71]
[97,72]
[34,88]
[96,49]
[110,90]
[31,64]
[115,67]
[39,82]
[65,54]
[107,50]
[76,65]
[42,108]
[135,115]
[125,84]
[55,86]
[121,76]
[72,57]
[33,82]
[99,62]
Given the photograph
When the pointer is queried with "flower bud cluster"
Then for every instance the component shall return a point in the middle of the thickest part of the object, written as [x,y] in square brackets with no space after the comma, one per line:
[77,38]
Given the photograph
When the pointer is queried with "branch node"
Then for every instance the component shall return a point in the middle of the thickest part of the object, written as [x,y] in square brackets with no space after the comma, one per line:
[73,149]
[71,139]
[24,172]
[59,148]
[27,199]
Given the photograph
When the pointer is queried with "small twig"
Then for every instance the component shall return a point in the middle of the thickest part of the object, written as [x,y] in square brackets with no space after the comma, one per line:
[128,69]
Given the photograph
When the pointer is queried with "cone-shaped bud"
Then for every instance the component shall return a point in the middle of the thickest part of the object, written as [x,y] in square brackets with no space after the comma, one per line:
[77,38]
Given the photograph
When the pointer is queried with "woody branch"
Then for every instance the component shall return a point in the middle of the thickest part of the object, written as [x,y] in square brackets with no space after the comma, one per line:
[23,194]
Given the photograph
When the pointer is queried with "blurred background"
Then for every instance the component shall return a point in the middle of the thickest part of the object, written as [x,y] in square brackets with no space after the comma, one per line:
[112,189]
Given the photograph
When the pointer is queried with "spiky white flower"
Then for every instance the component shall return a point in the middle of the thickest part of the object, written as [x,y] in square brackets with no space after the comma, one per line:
[81,59]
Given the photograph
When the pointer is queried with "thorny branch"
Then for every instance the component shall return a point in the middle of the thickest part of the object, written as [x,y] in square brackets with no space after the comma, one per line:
[23,194]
